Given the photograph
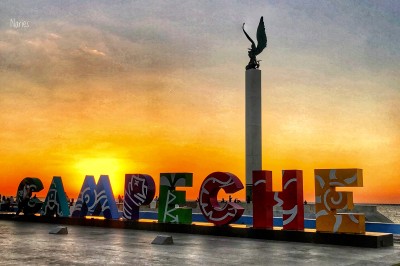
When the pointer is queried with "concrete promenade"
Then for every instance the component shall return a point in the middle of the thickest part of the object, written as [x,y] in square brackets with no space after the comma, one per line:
[30,243]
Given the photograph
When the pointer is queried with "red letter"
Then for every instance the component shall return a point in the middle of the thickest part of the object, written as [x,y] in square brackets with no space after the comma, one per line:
[291,199]
[263,202]
[209,206]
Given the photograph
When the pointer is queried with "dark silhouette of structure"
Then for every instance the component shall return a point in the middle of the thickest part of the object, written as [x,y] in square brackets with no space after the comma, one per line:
[261,44]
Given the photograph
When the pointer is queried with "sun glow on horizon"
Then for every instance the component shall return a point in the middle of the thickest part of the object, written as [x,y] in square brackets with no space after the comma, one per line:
[97,166]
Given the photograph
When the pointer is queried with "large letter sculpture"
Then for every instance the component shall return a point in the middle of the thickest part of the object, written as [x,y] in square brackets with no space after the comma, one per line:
[96,199]
[56,202]
[168,208]
[139,190]
[328,201]
[290,199]
[34,204]
[209,206]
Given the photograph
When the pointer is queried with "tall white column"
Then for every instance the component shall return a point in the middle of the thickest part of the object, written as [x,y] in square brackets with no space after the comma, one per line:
[253,126]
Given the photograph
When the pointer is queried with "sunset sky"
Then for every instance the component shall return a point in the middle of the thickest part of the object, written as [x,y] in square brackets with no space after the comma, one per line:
[115,87]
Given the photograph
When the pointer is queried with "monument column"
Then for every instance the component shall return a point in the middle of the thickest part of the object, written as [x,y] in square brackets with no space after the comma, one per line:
[253,127]
[253,107]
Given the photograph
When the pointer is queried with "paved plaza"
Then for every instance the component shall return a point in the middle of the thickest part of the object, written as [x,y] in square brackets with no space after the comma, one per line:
[30,243]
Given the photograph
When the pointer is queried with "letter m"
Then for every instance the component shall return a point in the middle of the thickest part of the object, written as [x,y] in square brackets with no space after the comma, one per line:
[96,199]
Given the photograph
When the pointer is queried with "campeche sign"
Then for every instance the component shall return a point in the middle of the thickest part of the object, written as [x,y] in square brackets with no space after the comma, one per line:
[98,199]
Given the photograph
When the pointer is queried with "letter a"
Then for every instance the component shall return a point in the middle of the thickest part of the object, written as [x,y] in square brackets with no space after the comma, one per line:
[56,201]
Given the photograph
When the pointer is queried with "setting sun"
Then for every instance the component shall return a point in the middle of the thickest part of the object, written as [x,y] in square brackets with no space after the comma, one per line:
[112,167]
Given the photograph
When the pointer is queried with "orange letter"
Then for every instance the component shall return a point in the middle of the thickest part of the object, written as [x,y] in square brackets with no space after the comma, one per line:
[328,201]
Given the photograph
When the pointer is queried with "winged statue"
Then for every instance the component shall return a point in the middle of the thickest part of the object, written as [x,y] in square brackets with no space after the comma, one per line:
[261,44]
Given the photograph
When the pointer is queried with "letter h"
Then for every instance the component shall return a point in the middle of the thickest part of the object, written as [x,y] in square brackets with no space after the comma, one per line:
[290,199]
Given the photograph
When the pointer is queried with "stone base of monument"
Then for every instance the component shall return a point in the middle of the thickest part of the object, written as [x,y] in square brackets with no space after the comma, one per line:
[369,239]
[163,240]
[59,230]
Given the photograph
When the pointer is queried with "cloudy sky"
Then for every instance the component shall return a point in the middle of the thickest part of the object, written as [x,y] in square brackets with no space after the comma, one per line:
[115,87]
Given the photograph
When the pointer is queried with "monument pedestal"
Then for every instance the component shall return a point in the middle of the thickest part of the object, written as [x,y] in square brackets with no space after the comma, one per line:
[253,127]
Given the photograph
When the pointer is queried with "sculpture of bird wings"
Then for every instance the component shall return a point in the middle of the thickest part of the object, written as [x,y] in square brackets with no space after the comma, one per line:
[261,37]
[248,37]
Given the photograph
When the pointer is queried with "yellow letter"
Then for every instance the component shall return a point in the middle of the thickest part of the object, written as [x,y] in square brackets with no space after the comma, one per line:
[328,201]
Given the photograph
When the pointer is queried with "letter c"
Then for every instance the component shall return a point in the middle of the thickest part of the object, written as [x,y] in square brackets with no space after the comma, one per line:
[209,206]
